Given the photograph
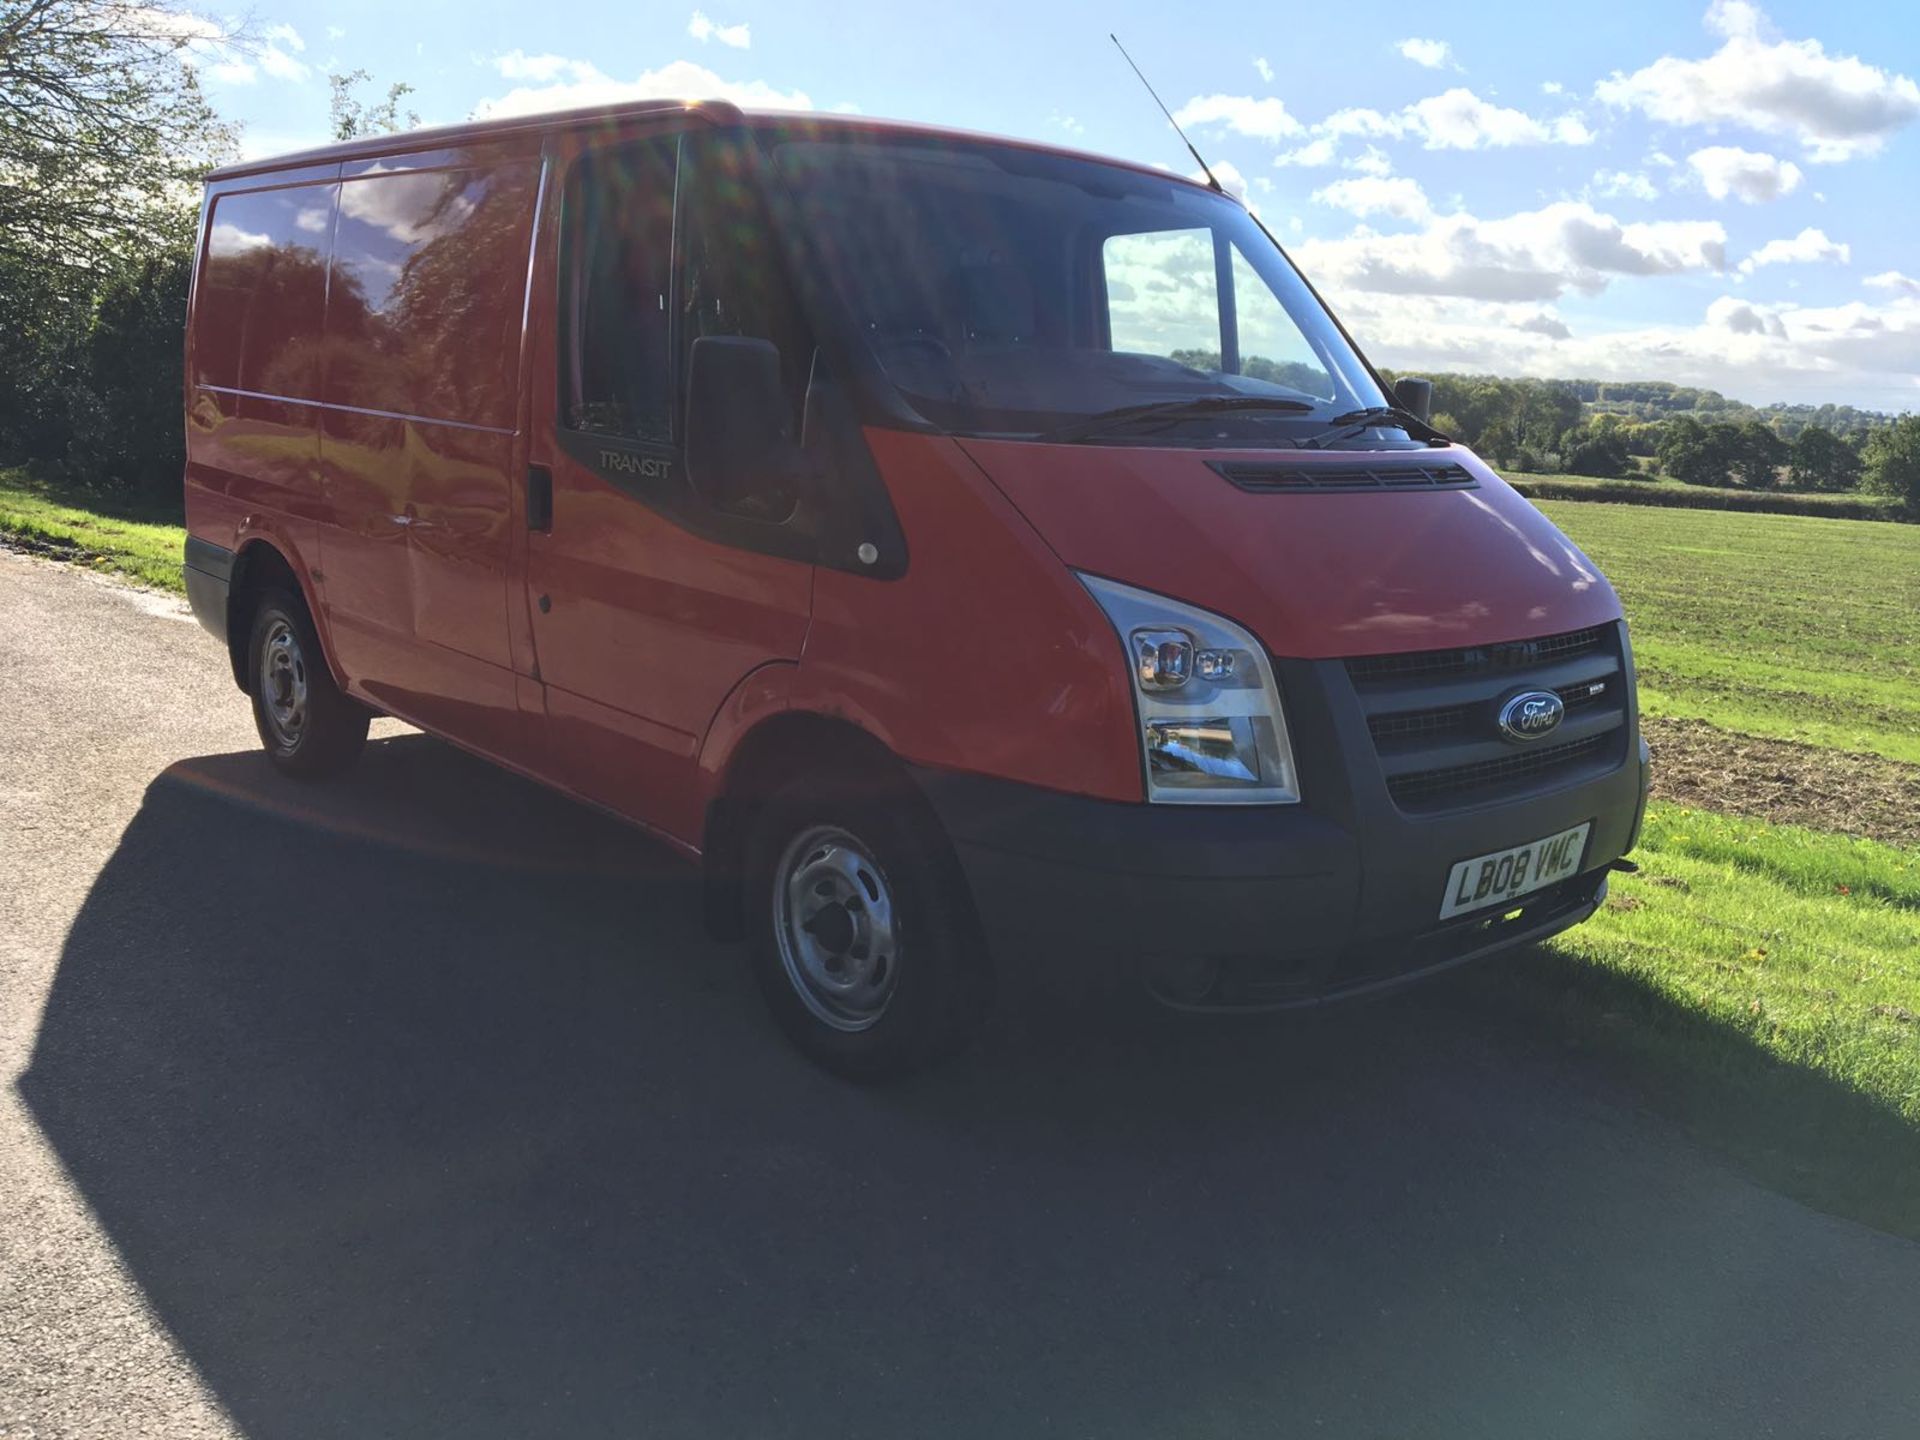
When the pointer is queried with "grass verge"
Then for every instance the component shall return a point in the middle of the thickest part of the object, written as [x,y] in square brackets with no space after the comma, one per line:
[1762,984]
[1770,625]
[103,533]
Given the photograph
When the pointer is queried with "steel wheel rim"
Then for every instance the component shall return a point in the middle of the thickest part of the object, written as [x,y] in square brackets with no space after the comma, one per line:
[834,922]
[283,684]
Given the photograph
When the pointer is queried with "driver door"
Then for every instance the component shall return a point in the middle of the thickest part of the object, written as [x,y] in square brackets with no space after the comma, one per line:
[648,605]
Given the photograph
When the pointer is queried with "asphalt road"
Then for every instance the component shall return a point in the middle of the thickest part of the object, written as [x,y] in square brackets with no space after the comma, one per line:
[417,1105]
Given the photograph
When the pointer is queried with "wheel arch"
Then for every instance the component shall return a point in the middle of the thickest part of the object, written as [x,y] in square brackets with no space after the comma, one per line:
[780,748]
[261,563]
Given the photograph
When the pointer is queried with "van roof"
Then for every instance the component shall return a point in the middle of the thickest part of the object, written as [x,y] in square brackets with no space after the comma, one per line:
[721,112]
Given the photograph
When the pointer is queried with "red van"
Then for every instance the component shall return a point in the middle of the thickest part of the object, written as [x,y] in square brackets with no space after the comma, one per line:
[961,547]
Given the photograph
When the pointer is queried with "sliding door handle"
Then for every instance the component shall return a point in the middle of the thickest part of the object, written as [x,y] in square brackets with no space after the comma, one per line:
[539,498]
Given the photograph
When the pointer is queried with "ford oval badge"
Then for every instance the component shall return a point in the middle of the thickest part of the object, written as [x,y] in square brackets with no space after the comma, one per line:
[1531,715]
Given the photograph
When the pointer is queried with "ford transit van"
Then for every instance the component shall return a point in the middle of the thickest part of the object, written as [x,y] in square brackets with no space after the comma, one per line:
[973,554]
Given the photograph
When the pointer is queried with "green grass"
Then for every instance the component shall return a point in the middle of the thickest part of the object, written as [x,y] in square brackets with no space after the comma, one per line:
[1778,625]
[107,534]
[1759,984]
[1803,944]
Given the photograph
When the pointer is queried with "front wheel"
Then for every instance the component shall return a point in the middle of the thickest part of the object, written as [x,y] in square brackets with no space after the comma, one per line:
[863,937]
[308,726]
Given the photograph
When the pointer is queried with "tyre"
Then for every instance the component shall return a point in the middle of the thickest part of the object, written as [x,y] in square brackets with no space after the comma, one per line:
[862,936]
[308,726]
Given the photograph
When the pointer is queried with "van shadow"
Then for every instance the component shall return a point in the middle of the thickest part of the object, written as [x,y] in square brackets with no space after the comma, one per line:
[420,1105]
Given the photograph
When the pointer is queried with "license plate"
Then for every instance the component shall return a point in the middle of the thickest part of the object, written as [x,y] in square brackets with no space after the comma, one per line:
[1489,880]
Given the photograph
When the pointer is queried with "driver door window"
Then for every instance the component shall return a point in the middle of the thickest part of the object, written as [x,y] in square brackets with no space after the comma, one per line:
[616,255]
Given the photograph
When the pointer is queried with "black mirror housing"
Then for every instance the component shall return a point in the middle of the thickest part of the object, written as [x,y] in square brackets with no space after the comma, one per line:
[1414,396]
[739,444]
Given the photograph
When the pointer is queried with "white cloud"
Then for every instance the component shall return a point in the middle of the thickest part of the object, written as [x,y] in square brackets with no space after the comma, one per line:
[518,65]
[1856,353]
[1662,159]
[702,29]
[1065,122]
[1532,256]
[1313,154]
[1266,71]
[1612,183]
[574,83]
[1398,196]
[1809,247]
[1371,161]
[1458,119]
[1751,175]
[281,65]
[207,45]
[1552,87]
[1741,317]
[1260,119]
[312,219]
[1894,280]
[1838,106]
[1433,54]
[336,32]
[1545,323]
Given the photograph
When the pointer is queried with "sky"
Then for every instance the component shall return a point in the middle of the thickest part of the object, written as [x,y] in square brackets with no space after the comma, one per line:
[1642,189]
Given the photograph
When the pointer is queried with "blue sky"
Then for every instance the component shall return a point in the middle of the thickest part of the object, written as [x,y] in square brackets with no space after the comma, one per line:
[1717,194]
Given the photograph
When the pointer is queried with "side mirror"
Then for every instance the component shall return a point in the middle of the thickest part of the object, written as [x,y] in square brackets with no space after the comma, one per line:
[741,455]
[1414,396]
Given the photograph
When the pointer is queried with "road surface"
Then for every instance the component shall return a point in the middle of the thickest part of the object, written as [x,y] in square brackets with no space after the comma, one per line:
[417,1105]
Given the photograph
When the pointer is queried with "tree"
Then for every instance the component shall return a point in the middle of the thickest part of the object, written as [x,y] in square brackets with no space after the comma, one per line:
[1756,455]
[1821,460]
[122,411]
[353,117]
[1892,456]
[104,136]
[104,133]
[1684,453]
[1595,450]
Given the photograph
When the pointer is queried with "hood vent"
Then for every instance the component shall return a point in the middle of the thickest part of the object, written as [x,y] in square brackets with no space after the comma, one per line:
[1270,479]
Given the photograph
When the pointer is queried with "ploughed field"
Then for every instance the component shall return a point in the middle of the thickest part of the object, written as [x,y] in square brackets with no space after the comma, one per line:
[1761,974]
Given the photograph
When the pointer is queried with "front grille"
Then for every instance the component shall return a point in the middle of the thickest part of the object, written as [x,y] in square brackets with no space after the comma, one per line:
[1478,659]
[1408,725]
[1437,789]
[1270,479]
[1433,716]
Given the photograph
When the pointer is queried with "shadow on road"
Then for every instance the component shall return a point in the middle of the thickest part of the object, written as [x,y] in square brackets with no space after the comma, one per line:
[419,1105]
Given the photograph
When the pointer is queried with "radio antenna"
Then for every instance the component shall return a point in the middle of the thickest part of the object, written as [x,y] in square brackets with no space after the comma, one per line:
[1205,169]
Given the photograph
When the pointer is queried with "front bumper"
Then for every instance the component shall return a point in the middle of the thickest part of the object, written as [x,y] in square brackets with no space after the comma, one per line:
[1268,906]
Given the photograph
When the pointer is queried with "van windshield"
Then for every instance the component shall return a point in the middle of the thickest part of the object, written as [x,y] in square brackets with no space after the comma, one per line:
[1012,292]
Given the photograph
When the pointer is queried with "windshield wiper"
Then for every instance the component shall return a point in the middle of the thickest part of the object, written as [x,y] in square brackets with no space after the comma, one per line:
[1382,417]
[1168,410]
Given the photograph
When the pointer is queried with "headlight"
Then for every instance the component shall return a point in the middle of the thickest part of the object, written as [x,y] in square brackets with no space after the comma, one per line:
[1211,727]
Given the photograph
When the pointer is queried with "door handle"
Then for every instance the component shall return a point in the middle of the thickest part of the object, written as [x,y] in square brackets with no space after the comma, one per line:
[539,498]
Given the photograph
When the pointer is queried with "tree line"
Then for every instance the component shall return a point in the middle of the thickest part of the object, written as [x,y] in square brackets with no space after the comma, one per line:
[105,137]
[1560,426]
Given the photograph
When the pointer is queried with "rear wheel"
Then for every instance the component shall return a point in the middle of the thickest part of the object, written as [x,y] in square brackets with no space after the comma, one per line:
[308,726]
[864,940]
